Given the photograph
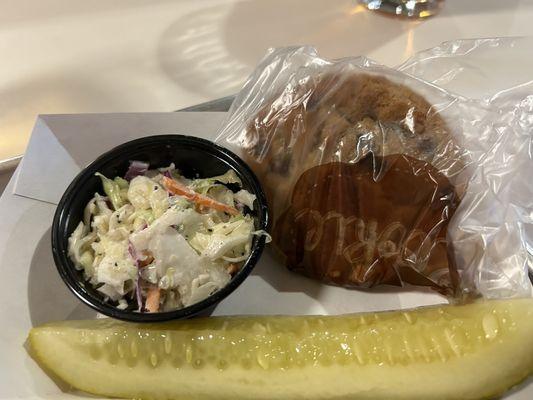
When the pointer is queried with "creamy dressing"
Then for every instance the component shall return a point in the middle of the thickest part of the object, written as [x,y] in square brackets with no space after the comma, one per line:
[181,242]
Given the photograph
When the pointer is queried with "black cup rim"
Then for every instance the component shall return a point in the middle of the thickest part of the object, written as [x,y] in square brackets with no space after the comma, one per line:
[59,238]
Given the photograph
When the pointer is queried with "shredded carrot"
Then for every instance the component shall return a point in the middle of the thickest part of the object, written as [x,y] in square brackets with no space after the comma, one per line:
[179,189]
[232,269]
[148,258]
[152,299]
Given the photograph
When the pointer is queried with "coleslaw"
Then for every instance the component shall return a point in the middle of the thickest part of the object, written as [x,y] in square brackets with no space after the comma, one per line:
[158,241]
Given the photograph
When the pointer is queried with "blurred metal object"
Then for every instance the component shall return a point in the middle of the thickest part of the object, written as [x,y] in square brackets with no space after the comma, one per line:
[7,167]
[9,164]
[221,105]
[405,8]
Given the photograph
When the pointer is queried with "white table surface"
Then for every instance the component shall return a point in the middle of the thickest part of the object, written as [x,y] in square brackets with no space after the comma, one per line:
[67,56]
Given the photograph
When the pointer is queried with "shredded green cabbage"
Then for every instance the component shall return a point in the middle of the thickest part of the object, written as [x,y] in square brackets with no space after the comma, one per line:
[203,185]
[112,190]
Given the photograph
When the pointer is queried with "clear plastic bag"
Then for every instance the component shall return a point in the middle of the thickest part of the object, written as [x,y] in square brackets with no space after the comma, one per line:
[475,68]
[376,177]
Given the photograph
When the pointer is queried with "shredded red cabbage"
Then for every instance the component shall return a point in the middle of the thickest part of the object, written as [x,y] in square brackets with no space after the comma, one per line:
[136,168]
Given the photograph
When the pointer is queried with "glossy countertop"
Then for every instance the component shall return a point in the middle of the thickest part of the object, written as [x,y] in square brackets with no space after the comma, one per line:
[72,56]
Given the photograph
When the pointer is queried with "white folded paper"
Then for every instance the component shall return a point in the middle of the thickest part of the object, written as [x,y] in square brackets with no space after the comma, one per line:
[61,145]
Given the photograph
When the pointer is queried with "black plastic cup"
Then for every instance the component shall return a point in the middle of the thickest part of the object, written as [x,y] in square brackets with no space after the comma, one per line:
[194,157]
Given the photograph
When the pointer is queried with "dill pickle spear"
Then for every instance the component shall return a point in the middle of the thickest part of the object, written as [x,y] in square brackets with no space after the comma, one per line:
[474,351]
